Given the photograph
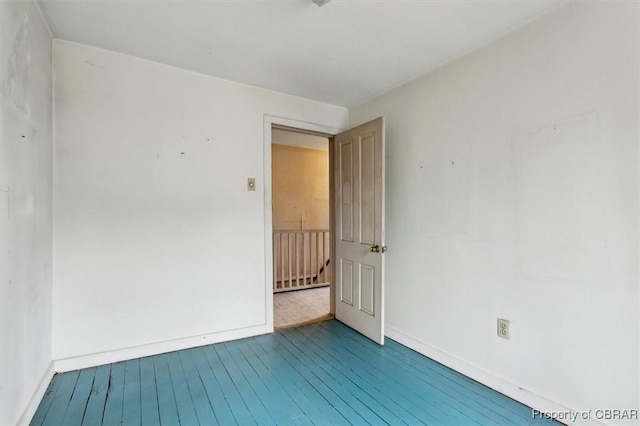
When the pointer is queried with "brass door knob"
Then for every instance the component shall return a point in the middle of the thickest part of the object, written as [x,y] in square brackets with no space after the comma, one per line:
[377,249]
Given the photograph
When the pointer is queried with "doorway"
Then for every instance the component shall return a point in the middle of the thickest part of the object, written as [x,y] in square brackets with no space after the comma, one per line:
[356,212]
[301,235]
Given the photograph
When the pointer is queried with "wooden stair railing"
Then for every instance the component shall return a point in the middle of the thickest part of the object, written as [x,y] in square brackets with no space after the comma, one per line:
[301,259]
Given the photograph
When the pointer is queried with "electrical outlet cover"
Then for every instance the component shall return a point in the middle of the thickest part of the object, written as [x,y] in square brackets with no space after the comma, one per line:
[503,328]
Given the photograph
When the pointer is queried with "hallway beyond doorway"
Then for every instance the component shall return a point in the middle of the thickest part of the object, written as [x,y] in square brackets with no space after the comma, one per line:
[301,306]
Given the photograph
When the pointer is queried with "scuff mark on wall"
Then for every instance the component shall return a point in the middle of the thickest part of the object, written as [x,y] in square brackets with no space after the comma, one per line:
[14,87]
[94,64]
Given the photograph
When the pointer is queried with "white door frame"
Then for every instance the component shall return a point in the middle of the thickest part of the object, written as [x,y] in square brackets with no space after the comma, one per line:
[270,120]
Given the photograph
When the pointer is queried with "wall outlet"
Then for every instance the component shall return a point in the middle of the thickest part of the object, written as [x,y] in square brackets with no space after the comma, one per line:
[503,328]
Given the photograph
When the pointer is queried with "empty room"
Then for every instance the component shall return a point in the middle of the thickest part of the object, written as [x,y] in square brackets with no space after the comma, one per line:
[471,218]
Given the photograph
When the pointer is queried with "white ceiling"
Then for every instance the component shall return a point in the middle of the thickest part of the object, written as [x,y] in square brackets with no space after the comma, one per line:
[342,53]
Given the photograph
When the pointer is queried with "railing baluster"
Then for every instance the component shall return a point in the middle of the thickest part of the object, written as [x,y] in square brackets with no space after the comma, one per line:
[314,256]
[307,247]
[304,259]
[319,239]
[297,258]
[275,262]
[318,266]
[327,256]
[324,275]
[289,259]
[281,272]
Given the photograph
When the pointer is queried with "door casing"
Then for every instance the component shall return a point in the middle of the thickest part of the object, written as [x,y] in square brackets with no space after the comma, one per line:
[271,121]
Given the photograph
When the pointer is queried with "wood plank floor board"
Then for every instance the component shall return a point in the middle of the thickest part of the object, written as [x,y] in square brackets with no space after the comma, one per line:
[459,393]
[46,401]
[280,408]
[184,403]
[507,406]
[239,408]
[115,395]
[311,400]
[131,406]
[465,389]
[216,397]
[319,374]
[97,396]
[456,385]
[479,403]
[455,380]
[381,389]
[149,410]
[80,398]
[167,406]
[283,389]
[344,387]
[434,400]
[60,402]
[351,409]
[429,391]
[247,392]
[199,396]
[421,403]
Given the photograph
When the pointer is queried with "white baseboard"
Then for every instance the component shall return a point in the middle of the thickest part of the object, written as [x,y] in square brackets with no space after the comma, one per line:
[93,360]
[34,402]
[531,399]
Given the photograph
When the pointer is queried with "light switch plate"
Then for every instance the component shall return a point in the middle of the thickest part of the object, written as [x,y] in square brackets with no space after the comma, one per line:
[251,184]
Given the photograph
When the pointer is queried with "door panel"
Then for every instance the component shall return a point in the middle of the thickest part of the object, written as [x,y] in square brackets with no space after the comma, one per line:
[359,187]
[367,189]
[367,289]
[346,191]
[346,278]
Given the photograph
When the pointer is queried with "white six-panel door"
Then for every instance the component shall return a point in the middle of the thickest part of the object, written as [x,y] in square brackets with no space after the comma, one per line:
[359,227]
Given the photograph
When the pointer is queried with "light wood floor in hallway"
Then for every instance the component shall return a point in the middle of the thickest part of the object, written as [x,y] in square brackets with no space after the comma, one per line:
[319,374]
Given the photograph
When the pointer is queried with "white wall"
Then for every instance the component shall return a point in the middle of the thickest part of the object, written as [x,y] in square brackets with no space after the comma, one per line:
[512,192]
[156,235]
[26,210]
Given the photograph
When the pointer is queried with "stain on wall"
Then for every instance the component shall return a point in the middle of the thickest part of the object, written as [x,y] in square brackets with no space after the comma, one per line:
[14,85]
[561,227]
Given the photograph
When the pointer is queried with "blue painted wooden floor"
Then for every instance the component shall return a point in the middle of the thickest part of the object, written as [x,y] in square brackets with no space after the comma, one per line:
[320,374]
